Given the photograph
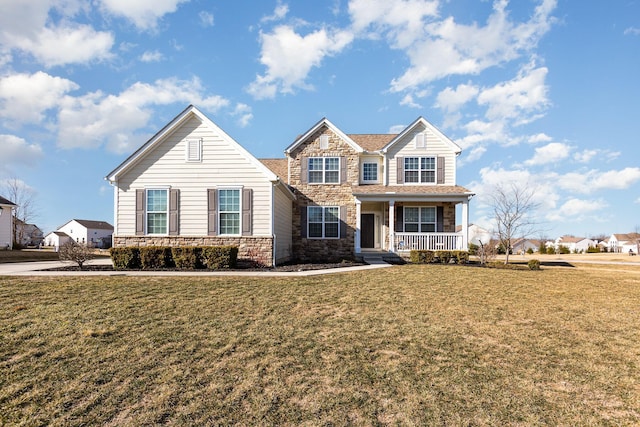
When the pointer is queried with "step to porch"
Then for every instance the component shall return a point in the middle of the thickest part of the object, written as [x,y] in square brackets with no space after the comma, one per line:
[381,258]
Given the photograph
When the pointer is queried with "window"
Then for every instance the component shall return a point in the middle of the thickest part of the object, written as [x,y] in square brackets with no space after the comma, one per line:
[194,150]
[370,172]
[421,220]
[229,212]
[157,211]
[323,222]
[324,170]
[419,169]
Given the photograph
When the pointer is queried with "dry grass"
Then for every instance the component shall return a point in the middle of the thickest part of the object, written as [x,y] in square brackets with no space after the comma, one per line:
[410,345]
[28,255]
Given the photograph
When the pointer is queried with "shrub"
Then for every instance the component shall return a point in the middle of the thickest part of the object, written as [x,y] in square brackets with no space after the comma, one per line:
[444,256]
[530,251]
[187,257]
[551,250]
[125,258]
[564,250]
[152,257]
[461,257]
[75,252]
[533,264]
[420,256]
[217,257]
[473,249]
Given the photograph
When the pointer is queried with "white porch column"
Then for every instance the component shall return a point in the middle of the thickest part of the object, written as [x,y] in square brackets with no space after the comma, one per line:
[392,226]
[465,225]
[358,226]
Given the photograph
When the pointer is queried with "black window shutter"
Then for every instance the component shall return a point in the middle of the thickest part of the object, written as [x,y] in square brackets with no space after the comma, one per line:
[400,170]
[303,222]
[140,207]
[399,219]
[247,209]
[174,218]
[440,170]
[439,219]
[212,212]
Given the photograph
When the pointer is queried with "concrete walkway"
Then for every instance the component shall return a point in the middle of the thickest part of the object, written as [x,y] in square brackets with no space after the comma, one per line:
[36,269]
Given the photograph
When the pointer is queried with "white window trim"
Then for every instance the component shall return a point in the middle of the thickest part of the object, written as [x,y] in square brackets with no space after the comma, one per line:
[192,144]
[420,170]
[324,170]
[239,189]
[404,217]
[323,223]
[366,181]
[147,211]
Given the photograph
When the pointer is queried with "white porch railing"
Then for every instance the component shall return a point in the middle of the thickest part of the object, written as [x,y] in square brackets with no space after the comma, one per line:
[429,241]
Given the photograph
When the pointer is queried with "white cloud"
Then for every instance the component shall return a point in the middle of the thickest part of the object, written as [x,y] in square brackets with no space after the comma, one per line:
[144,14]
[206,18]
[587,155]
[469,49]
[279,13]
[539,137]
[402,21]
[518,99]
[550,153]
[409,102]
[243,114]
[24,98]
[95,118]
[289,57]
[152,56]
[452,100]
[576,210]
[16,152]
[593,180]
[634,31]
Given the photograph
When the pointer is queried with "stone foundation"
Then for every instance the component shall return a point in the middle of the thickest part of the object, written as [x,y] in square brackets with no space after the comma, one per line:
[257,250]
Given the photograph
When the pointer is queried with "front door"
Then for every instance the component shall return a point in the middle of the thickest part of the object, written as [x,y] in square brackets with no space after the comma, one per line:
[367,231]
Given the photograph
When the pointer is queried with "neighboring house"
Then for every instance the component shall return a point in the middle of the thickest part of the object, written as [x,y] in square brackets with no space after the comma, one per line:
[624,243]
[95,233]
[56,239]
[6,223]
[333,196]
[28,234]
[575,244]
[523,245]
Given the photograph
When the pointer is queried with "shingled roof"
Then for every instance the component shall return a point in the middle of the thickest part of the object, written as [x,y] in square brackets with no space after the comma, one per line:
[372,141]
[100,225]
[4,201]
[277,166]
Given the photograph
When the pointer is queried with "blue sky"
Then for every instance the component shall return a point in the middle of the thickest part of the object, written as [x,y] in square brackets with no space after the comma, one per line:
[543,93]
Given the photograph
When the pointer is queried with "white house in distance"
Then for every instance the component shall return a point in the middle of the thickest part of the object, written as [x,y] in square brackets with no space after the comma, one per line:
[81,231]
[575,244]
[624,243]
[6,223]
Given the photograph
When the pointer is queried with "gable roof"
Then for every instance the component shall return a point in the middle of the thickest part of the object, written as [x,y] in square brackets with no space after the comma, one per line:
[179,120]
[372,141]
[323,122]
[278,166]
[422,121]
[7,202]
[99,225]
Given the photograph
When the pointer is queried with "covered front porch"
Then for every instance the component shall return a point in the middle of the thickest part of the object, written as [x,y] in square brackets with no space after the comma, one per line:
[401,223]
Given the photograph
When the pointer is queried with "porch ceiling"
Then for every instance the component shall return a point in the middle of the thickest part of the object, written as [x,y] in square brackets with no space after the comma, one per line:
[412,192]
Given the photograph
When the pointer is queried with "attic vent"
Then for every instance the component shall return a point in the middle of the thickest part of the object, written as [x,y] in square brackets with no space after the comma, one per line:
[324,142]
[194,150]
[420,140]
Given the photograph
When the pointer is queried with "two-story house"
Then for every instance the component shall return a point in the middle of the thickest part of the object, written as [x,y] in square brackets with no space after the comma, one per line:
[332,197]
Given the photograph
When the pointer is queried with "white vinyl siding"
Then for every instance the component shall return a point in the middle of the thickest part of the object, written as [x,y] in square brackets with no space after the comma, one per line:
[433,147]
[6,231]
[283,217]
[222,165]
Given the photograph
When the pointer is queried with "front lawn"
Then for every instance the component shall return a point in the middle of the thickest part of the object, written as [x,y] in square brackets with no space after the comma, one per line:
[407,345]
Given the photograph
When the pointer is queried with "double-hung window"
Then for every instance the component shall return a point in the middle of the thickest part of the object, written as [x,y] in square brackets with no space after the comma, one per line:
[370,172]
[323,222]
[157,211]
[419,219]
[229,211]
[324,170]
[420,170]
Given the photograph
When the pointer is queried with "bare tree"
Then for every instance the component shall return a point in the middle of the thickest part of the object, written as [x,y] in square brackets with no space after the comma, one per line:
[76,252]
[513,206]
[23,196]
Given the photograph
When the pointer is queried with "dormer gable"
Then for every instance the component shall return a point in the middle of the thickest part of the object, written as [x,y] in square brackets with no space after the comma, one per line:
[420,130]
[319,126]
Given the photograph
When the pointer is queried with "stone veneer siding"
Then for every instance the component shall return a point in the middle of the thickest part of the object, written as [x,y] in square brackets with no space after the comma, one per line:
[305,249]
[255,249]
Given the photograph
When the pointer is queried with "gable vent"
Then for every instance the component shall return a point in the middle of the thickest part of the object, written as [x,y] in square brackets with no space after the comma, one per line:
[194,150]
[324,142]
